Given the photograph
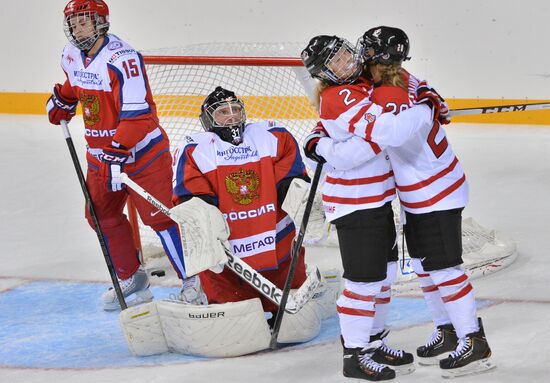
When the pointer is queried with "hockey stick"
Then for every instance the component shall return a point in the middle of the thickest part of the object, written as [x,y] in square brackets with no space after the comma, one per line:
[500,109]
[91,209]
[243,270]
[295,255]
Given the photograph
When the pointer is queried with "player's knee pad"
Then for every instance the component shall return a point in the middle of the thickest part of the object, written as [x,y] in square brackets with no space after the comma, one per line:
[447,274]
[359,295]
[221,330]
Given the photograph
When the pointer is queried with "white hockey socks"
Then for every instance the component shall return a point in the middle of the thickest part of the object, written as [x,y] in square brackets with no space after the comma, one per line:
[458,297]
[356,310]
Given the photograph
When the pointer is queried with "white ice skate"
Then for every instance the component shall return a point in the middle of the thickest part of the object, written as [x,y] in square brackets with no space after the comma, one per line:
[192,293]
[135,290]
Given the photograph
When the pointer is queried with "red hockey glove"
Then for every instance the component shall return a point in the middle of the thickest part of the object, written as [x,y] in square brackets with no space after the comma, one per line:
[59,109]
[425,94]
[112,165]
[311,141]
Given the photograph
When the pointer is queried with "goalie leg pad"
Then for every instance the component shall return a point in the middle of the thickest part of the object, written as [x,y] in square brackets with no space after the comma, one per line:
[218,330]
[143,330]
[303,325]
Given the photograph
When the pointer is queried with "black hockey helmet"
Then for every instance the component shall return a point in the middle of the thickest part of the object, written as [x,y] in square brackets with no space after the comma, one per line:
[384,45]
[223,113]
[332,59]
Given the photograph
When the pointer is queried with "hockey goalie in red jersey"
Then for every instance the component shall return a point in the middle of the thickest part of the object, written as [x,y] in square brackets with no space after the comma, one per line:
[107,76]
[248,171]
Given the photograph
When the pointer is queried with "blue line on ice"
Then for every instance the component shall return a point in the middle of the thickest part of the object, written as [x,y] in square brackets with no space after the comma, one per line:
[62,325]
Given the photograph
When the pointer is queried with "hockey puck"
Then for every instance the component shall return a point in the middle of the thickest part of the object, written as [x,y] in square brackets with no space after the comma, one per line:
[158,273]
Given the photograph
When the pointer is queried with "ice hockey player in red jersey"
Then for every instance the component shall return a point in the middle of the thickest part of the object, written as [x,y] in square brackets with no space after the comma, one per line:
[433,191]
[107,77]
[357,197]
[246,170]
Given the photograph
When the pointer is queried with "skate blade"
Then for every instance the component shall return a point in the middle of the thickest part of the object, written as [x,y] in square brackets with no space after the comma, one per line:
[474,368]
[431,361]
[404,369]
[137,298]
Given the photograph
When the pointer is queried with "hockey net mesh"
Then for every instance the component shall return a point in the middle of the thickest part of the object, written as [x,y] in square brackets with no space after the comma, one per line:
[279,93]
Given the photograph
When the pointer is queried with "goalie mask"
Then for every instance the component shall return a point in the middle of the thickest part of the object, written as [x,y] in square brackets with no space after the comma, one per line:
[384,45]
[85,22]
[223,113]
[332,59]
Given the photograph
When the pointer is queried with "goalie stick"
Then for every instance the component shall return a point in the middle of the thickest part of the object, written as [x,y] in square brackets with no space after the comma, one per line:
[243,270]
[295,254]
[93,214]
[500,109]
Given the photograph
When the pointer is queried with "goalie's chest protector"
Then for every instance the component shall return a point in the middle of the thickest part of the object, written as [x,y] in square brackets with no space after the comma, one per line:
[243,179]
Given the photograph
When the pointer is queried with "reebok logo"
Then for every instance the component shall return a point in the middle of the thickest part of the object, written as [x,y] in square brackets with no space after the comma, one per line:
[252,278]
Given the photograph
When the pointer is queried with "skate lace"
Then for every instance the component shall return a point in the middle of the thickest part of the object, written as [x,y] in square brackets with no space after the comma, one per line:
[464,345]
[436,337]
[391,351]
[367,363]
[126,284]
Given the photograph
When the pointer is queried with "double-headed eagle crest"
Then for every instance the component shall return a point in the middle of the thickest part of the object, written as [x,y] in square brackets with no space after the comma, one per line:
[243,186]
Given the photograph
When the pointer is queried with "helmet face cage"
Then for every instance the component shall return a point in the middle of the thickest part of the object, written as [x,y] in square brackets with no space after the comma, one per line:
[332,59]
[226,117]
[83,24]
[384,45]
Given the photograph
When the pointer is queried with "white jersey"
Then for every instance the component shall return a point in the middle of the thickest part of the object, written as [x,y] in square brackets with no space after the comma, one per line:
[359,173]
[428,174]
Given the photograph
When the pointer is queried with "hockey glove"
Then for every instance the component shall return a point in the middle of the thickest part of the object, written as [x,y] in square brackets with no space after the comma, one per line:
[112,165]
[58,108]
[425,94]
[311,141]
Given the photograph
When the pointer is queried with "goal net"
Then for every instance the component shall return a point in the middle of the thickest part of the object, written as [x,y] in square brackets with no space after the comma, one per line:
[273,84]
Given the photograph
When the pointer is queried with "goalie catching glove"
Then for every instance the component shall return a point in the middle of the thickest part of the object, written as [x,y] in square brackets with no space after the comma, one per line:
[204,235]
[295,203]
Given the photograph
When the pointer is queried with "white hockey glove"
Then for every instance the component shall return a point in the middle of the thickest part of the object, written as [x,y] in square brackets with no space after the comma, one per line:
[295,204]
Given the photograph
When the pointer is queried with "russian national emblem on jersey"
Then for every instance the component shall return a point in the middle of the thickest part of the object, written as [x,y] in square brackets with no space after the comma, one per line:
[243,186]
[90,109]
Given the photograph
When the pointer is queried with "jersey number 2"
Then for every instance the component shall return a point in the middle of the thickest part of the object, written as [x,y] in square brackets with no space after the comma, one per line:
[437,148]
[131,68]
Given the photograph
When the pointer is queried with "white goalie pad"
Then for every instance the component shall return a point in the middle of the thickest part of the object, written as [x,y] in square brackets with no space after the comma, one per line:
[295,204]
[142,329]
[306,323]
[221,330]
[204,232]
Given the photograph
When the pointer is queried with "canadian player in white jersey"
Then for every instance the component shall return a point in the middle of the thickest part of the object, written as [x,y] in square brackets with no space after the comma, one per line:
[433,191]
[357,198]
[107,77]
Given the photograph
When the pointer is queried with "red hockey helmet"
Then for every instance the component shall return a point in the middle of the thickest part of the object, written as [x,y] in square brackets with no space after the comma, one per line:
[85,21]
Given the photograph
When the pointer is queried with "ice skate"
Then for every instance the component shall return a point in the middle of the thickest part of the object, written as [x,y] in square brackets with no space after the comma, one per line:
[358,364]
[472,356]
[192,293]
[442,342]
[135,290]
[399,360]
